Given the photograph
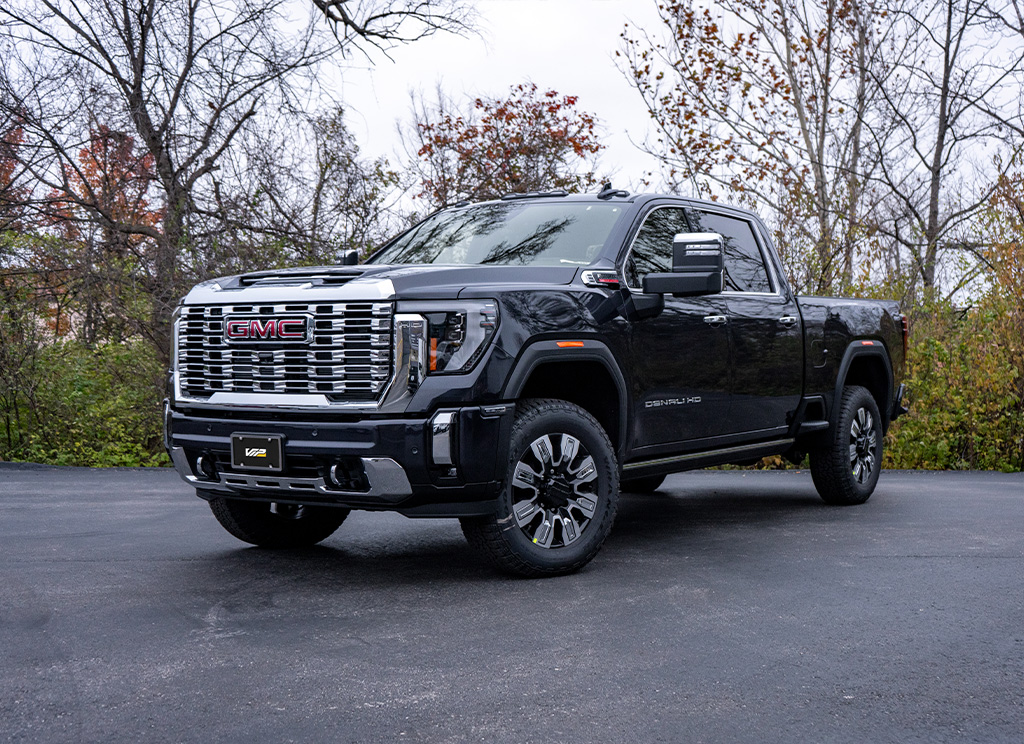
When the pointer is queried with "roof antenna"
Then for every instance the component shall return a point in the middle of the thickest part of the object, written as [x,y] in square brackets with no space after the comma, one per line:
[607,192]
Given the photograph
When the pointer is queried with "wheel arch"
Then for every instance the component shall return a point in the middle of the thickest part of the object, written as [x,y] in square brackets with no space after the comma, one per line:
[586,375]
[870,367]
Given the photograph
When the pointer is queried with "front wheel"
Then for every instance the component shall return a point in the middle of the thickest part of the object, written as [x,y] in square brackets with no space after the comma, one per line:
[845,469]
[272,525]
[560,493]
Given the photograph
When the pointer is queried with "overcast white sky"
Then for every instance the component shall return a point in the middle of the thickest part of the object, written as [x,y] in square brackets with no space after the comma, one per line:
[564,45]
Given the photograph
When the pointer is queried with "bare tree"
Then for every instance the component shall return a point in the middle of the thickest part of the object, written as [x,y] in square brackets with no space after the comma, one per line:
[309,194]
[767,101]
[383,23]
[867,129]
[951,127]
[186,78]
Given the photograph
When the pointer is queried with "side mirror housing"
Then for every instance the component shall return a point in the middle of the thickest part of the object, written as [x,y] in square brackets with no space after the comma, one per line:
[349,257]
[698,266]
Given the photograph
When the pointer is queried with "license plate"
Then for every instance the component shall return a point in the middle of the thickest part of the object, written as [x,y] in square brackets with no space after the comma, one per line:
[257,452]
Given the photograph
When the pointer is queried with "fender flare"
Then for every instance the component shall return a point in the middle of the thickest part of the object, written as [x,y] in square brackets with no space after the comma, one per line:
[547,351]
[856,350]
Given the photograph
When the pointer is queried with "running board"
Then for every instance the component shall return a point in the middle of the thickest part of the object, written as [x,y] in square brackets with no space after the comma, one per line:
[694,460]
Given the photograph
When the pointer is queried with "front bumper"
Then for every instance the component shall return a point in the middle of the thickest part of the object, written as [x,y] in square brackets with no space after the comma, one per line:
[386,478]
[448,464]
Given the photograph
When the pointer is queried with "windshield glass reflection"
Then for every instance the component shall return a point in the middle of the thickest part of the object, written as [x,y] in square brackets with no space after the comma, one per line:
[508,234]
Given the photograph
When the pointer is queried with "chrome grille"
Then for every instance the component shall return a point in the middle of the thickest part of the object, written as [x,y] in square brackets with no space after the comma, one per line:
[349,357]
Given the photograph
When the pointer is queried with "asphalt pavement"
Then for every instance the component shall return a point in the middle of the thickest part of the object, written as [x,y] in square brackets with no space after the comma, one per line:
[728,607]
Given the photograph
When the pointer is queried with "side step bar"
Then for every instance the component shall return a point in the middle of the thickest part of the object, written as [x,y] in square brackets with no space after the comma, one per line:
[694,460]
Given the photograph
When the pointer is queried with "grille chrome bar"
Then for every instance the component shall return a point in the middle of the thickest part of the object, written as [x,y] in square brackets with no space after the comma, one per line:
[349,356]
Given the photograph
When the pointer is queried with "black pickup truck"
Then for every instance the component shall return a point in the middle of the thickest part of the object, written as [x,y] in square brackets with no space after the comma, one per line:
[515,364]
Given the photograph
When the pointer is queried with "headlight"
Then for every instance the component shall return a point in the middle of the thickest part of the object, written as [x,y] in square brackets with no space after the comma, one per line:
[442,337]
[457,337]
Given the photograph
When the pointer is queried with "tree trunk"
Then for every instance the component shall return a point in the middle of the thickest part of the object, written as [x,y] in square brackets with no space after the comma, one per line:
[931,233]
[165,292]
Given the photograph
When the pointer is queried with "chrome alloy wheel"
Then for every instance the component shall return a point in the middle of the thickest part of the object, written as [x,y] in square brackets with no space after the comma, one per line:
[554,490]
[863,445]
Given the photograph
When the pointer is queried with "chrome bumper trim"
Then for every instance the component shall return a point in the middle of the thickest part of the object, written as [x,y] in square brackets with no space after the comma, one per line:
[387,479]
[441,430]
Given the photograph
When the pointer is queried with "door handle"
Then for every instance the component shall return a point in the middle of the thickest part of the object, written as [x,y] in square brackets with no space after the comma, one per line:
[715,320]
[787,320]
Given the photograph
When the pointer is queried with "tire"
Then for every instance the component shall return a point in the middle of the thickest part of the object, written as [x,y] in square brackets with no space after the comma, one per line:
[648,484]
[271,525]
[846,468]
[560,494]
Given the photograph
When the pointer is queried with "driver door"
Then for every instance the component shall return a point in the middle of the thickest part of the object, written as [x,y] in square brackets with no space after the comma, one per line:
[680,358]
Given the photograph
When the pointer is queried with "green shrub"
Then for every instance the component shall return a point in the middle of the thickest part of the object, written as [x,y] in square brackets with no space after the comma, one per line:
[91,406]
[966,399]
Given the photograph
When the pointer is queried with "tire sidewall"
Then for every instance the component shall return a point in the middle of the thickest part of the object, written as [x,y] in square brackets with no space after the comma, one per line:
[561,421]
[860,398]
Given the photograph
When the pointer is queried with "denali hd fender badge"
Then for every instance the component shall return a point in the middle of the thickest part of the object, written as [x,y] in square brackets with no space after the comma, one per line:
[256,328]
[671,402]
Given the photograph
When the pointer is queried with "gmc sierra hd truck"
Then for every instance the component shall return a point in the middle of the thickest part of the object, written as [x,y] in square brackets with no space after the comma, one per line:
[515,364]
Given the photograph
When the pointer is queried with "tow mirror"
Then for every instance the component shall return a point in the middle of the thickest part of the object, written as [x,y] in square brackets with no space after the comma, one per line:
[349,257]
[698,264]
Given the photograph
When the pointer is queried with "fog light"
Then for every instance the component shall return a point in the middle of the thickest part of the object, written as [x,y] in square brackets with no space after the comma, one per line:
[347,474]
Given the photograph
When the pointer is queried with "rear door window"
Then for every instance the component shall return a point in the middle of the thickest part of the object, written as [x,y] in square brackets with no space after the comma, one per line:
[744,265]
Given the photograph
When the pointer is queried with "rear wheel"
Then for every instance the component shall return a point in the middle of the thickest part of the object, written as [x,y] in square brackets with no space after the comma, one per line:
[846,468]
[559,498]
[273,525]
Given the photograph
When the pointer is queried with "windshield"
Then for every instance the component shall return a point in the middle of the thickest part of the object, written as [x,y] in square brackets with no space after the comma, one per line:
[508,233]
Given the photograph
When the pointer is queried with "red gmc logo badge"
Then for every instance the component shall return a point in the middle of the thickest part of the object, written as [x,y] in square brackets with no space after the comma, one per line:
[249,328]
